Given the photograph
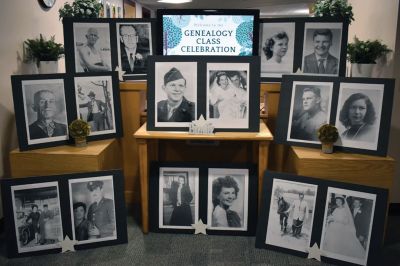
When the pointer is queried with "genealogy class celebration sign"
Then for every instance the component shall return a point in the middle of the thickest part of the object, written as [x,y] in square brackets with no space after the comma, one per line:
[207,35]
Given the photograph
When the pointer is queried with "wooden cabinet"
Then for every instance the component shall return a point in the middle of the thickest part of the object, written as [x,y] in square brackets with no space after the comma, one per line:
[98,155]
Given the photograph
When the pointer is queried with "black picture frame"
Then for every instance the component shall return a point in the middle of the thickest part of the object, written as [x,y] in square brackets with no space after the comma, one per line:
[26,186]
[295,28]
[165,27]
[24,89]
[201,73]
[74,34]
[201,170]
[375,198]
[61,86]
[112,128]
[334,92]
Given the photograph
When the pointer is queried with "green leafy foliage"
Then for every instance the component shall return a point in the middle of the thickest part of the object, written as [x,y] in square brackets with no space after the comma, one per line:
[40,49]
[334,9]
[328,133]
[80,9]
[79,128]
[366,52]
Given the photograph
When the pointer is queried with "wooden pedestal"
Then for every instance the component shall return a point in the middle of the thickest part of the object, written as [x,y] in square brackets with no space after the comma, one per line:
[98,155]
[344,167]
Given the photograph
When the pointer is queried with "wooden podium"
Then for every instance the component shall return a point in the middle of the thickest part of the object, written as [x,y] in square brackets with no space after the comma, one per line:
[96,156]
[344,167]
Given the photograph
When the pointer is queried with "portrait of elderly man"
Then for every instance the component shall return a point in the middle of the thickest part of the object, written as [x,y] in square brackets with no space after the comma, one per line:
[45,126]
[321,61]
[133,55]
[176,108]
[307,122]
[101,213]
[90,56]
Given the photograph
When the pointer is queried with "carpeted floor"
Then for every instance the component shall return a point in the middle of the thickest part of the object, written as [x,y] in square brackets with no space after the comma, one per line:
[171,249]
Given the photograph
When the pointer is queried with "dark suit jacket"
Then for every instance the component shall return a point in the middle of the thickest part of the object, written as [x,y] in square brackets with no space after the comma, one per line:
[186,194]
[183,113]
[102,216]
[361,222]
[100,105]
[311,64]
[140,66]
[35,132]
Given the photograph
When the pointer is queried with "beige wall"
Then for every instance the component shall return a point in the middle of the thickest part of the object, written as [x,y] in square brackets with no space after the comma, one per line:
[20,20]
[379,20]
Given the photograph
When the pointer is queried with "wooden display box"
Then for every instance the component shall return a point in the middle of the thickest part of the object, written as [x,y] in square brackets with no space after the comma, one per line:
[344,167]
[98,155]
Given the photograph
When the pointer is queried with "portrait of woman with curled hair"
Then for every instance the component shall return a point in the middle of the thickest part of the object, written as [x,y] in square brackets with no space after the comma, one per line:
[224,193]
[277,46]
[358,117]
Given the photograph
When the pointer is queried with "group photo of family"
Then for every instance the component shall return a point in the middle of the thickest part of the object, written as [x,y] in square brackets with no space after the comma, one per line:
[37,216]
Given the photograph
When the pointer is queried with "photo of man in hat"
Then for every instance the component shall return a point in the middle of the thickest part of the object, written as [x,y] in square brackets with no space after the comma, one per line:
[176,108]
[96,111]
[101,213]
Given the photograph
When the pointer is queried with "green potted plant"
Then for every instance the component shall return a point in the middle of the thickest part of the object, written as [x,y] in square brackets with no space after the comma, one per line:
[81,9]
[79,130]
[328,134]
[45,53]
[363,55]
[334,9]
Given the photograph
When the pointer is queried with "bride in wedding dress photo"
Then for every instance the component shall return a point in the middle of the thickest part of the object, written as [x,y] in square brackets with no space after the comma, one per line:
[340,232]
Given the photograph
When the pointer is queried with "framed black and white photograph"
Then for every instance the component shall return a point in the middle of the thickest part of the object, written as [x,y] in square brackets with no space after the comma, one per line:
[277,45]
[92,204]
[358,115]
[227,94]
[92,47]
[320,45]
[175,93]
[222,89]
[291,214]
[178,197]
[41,211]
[347,226]
[40,104]
[322,48]
[346,220]
[95,103]
[228,198]
[223,196]
[309,110]
[360,108]
[37,216]
[134,46]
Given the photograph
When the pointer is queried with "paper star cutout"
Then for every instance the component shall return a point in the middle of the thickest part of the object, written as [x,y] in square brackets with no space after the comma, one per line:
[201,121]
[314,252]
[68,244]
[200,227]
[299,71]
[120,73]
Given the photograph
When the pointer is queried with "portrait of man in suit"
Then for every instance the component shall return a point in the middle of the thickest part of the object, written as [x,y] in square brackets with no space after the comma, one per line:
[133,53]
[321,61]
[45,126]
[176,108]
[361,220]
